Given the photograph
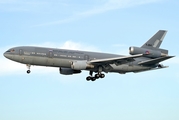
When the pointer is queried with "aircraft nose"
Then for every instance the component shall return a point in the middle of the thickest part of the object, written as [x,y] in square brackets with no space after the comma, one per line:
[5,54]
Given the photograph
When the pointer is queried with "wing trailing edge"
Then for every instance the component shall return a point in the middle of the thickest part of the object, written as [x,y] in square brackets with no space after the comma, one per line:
[154,61]
[151,69]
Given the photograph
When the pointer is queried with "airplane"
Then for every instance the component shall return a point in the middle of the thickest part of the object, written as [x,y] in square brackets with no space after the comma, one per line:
[144,58]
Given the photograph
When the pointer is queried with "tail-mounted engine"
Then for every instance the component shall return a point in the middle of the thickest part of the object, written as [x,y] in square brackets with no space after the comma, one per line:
[81,65]
[148,52]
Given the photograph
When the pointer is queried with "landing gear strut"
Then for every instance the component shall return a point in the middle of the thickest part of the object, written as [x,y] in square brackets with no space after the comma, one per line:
[28,68]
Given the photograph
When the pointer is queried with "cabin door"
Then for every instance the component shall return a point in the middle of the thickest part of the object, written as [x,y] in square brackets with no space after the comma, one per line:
[86,57]
[20,52]
[50,61]
[50,54]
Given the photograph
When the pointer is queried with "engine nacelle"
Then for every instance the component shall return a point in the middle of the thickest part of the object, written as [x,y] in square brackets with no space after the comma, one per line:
[68,71]
[148,52]
[81,65]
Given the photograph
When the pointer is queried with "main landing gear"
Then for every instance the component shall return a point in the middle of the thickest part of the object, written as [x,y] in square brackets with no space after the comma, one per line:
[28,68]
[97,76]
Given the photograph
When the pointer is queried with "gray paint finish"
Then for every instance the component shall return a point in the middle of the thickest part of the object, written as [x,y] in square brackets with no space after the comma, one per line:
[73,61]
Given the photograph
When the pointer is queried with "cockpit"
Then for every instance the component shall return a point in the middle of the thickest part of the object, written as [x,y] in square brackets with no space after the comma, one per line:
[9,53]
[10,50]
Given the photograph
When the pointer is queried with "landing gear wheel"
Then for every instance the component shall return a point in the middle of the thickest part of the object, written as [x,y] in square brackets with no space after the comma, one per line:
[28,71]
[88,78]
[102,76]
[93,78]
[97,76]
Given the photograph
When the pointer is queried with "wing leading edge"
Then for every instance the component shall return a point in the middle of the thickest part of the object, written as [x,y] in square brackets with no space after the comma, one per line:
[116,60]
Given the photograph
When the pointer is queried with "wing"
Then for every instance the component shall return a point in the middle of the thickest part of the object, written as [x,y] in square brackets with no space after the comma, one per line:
[116,60]
[154,61]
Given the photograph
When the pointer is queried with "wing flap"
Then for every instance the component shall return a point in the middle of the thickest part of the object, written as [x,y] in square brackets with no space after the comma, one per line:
[154,61]
[116,60]
[151,69]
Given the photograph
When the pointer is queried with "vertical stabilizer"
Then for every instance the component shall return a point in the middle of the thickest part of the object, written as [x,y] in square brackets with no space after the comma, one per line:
[155,41]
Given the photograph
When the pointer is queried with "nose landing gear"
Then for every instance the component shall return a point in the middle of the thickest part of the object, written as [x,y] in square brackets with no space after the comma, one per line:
[28,68]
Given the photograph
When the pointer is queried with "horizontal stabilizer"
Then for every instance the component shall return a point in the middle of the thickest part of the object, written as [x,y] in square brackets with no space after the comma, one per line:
[154,61]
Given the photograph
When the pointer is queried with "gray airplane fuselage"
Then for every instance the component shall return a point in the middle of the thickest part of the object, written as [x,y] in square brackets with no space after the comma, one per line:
[41,56]
[144,58]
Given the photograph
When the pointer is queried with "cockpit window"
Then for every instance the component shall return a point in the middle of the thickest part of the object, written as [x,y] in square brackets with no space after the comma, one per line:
[11,50]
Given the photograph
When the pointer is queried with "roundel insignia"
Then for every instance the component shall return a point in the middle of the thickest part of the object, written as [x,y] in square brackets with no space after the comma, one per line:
[147,52]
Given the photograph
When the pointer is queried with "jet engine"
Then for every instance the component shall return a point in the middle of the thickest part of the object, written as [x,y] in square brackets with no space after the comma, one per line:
[81,65]
[148,52]
[68,71]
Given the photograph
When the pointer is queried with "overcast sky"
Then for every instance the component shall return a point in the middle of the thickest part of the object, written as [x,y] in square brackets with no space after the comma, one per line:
[110,26]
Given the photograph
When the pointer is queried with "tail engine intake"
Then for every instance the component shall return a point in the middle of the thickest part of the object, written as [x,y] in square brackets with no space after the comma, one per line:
[148,52]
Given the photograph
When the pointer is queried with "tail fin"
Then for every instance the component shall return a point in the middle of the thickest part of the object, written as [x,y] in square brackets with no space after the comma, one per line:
[155,41]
